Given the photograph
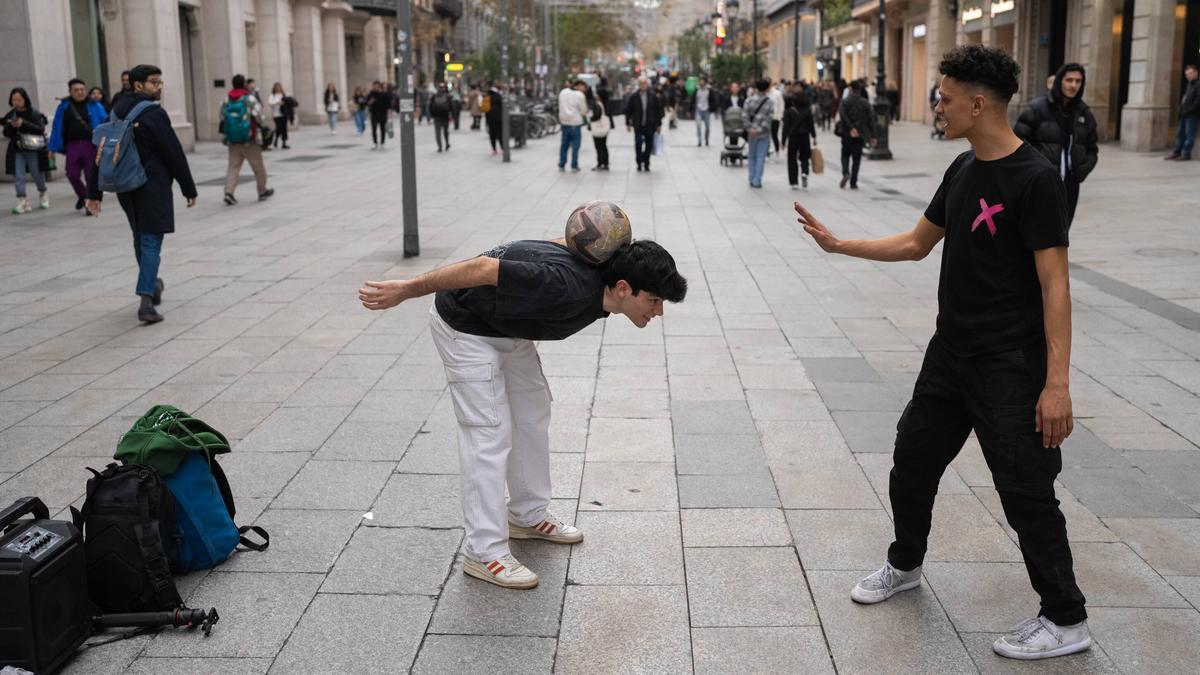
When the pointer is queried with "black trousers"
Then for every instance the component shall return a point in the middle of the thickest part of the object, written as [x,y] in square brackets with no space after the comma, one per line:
[852,149]
[378,129]
[441,128]
[643,145]
[1072,186]
[996,395]
[775,134]
[601,144]
[494,134]
[280,130]
[798,148]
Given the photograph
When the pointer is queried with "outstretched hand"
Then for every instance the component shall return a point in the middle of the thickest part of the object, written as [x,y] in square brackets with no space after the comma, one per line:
[817,230]
[384,294]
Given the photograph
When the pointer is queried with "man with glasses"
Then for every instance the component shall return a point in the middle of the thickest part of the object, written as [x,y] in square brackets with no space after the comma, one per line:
[150,208]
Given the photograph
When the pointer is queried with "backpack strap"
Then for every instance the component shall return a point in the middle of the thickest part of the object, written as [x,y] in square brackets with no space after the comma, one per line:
[150,543]
[250,544]
[138,110]
[222,485]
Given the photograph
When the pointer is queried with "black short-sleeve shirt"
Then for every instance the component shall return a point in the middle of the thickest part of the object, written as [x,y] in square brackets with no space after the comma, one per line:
[543,293]
[996,214]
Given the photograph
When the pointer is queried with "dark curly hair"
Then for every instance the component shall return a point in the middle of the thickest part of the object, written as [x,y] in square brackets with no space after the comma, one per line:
[983,66]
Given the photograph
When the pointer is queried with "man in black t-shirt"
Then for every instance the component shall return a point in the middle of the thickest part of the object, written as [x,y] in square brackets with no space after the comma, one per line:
[487,315]
[1000,359]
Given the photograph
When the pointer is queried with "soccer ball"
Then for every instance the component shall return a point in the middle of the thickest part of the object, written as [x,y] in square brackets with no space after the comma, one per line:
[596,230]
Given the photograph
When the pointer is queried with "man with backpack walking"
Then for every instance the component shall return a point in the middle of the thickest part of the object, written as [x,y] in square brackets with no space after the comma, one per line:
[855,125]
[439,110]
[152,147]
[242,122]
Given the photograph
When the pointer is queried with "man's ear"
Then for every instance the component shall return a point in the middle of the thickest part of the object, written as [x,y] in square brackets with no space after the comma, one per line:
[623,289]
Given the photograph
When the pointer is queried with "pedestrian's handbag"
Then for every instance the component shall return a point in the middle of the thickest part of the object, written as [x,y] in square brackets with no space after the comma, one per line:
[818,161]
[31,142]
[391,128]
[660,144]
[839,128]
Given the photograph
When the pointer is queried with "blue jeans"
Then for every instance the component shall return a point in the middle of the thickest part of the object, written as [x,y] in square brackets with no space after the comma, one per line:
[1185,136]
[28,161]
[147,248]
[332,120]
[572,136]
[702,119]
[360,120]
[756,155]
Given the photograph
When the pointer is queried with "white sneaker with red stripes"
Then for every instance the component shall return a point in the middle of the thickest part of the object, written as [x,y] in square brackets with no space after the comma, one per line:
[551,529]
[505,571]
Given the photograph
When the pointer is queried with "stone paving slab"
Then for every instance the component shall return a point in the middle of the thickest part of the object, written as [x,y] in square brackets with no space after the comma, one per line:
[777,385]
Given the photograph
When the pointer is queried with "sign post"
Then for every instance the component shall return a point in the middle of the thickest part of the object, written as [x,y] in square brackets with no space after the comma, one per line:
[408,158]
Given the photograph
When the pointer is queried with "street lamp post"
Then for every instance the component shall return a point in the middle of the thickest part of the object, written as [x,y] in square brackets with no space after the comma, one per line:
[408,160]
[795,40]
[883,111]
[505,94]
[754,39]
[731,8]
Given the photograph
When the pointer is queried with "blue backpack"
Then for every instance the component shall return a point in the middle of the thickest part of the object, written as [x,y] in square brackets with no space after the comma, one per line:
[117,156]
[235,120]
[204,510]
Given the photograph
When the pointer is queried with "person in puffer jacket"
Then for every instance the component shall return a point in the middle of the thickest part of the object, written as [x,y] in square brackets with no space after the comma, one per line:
[1061,127]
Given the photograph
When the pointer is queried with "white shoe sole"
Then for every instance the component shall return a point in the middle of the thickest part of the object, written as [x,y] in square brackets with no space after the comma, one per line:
[871,600]
[521,532]
[1064,650]
[477,570]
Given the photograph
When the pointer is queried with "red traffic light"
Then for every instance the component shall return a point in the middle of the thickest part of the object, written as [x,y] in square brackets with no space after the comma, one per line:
[719,41]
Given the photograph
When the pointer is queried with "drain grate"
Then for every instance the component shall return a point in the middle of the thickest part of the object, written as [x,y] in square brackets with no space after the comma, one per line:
[305,158]
[243,178]
[342,146]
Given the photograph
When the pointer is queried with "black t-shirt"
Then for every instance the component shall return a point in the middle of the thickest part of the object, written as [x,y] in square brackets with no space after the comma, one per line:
[544,293]
[996,214]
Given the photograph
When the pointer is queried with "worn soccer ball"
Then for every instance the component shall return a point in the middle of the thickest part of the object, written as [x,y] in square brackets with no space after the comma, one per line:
[596,230]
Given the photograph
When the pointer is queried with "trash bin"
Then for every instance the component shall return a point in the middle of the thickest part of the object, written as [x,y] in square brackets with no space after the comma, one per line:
[516,129]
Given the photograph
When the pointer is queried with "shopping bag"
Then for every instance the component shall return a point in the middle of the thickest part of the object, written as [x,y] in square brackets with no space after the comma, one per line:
[660,144]
[818,161]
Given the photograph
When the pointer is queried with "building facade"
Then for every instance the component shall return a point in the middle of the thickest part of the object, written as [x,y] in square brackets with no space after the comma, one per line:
[1134,52]
[200,44]
[791,29]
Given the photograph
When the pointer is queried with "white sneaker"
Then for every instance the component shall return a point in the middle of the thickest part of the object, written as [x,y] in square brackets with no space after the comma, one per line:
[1041,638]
[43,200]
[885,583]
[506,571]
[22,206]
[551,529]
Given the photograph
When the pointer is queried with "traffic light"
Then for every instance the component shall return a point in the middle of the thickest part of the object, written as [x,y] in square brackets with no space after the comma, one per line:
[718,41]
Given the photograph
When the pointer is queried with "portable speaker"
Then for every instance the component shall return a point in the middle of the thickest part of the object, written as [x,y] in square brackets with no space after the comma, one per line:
[46,613]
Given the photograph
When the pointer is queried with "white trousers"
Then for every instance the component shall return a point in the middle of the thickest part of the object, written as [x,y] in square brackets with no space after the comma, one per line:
[502,402]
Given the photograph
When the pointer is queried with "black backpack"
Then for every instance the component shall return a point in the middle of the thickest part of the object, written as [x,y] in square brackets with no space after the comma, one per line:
[439,104]
[128,521]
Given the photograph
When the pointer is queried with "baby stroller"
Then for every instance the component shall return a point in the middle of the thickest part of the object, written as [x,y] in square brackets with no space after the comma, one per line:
[733,122]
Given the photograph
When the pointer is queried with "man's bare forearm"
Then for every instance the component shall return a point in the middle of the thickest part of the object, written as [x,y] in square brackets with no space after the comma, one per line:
[1056,309]
[893,248]
[481,271]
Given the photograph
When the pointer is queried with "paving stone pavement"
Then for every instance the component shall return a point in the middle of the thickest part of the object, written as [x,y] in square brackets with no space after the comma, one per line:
[728,463]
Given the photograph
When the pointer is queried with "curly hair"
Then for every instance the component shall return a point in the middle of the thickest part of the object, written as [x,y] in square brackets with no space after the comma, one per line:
[983,66]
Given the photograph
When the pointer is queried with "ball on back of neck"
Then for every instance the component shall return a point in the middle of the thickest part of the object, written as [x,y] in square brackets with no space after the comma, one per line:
[595,230]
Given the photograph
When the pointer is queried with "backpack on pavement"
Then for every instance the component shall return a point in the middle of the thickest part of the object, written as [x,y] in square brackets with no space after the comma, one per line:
[183,449]
[129,528]
[235,120]
[120,165]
